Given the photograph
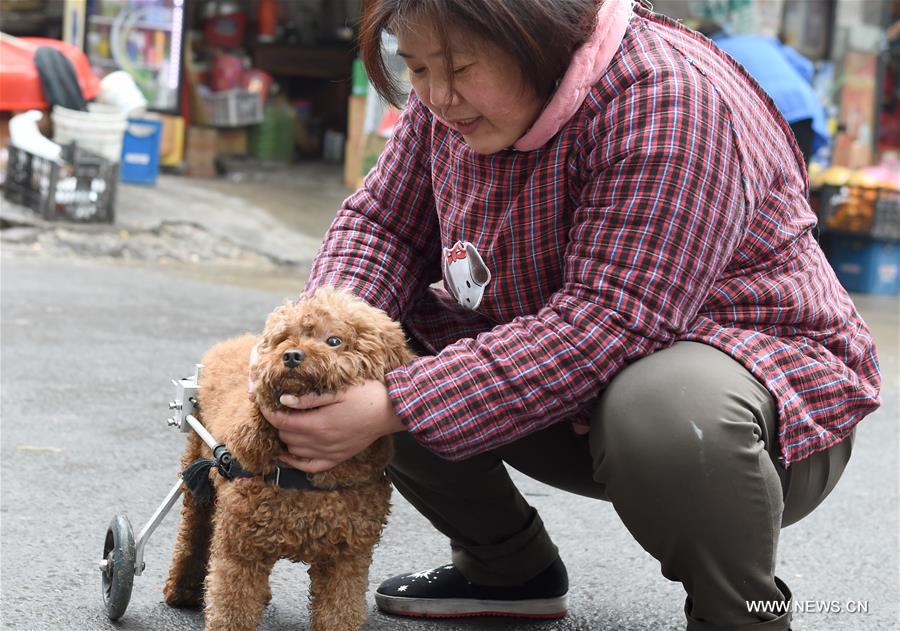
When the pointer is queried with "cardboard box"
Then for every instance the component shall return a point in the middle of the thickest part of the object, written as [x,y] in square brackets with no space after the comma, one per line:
[202,148]
[171,146]
[232,142]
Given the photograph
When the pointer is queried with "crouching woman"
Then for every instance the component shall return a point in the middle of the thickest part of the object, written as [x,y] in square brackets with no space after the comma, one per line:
[634,307]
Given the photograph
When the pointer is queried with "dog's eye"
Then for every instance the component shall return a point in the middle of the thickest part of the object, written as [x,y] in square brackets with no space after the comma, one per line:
[334,341]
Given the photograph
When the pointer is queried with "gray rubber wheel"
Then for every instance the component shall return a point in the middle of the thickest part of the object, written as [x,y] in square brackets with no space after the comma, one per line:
[117,567]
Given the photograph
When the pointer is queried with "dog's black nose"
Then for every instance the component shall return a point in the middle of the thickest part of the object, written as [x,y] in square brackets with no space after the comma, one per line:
[293,358]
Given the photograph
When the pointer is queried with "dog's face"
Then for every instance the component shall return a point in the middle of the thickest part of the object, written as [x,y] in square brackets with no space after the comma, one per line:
[323,344]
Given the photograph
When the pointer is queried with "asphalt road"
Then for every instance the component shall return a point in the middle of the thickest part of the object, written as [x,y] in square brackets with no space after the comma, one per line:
[88,352]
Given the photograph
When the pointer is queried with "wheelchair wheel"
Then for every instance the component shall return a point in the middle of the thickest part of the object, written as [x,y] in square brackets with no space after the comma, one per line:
[117,566]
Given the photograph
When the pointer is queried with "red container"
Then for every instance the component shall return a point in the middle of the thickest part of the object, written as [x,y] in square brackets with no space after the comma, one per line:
[257,81]
[227,71]
[225,31]
[267,17]
[20,85]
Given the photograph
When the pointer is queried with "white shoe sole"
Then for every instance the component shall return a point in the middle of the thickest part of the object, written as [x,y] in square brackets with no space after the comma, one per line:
[464,607]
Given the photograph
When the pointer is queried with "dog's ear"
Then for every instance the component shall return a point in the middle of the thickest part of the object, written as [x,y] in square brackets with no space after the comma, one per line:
[383,346]
[277,323]
[397,350]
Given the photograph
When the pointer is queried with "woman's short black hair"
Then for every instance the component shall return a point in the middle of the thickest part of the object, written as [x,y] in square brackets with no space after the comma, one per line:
[540,35]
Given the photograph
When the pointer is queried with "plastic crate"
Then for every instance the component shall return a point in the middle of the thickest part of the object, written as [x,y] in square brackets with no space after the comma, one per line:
[886,218]
[846,209]
[80,187]
[863,264]
[232,108]
[140,151]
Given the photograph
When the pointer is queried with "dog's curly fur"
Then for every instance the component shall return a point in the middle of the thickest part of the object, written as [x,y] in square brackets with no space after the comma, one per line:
[233,543]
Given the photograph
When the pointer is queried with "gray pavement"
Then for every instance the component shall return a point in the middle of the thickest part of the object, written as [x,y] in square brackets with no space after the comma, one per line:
[91,338]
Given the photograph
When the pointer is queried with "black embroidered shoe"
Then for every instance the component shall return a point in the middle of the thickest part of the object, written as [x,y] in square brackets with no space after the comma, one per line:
[444,593]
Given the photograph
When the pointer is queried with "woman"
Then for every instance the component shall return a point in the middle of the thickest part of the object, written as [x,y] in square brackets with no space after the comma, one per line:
[633,306]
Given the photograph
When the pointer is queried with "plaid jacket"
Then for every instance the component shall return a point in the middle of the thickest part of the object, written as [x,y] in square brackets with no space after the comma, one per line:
[671,206]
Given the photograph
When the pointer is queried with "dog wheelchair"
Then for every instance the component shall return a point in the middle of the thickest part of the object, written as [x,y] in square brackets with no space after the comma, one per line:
[123,556]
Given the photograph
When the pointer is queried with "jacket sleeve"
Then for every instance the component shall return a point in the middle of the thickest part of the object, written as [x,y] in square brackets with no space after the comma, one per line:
[660,212]
[383,245]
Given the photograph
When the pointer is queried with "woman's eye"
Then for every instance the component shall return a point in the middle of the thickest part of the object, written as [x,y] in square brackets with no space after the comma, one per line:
[417,71]
[461,69]
[334,341]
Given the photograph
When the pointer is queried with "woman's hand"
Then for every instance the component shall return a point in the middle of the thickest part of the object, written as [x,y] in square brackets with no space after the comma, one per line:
[323,431]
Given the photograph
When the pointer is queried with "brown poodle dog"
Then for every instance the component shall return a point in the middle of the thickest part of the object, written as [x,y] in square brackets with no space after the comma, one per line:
[233,542]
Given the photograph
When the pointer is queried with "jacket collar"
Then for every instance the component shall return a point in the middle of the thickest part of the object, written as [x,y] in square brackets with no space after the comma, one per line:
[588,65]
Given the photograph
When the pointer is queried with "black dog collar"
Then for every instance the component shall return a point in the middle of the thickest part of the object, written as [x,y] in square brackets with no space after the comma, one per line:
[282,477]
[196,476]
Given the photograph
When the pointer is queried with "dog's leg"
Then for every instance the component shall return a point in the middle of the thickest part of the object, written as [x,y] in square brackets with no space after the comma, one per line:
[236,592]
[237,586]
[184,585]
[254,442]
[338,592]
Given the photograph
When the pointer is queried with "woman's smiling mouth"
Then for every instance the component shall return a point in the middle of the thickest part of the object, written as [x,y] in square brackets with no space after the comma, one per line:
[466,126]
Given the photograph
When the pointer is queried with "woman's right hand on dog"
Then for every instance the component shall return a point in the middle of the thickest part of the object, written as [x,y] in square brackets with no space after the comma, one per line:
[324,430]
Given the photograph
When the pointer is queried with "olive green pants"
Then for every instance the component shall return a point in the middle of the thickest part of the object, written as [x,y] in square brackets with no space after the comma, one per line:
[682,444]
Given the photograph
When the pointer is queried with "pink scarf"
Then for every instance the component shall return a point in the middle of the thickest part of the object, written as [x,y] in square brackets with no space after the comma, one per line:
[588,64]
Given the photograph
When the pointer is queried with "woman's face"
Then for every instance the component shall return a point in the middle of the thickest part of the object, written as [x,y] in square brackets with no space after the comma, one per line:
[491,105]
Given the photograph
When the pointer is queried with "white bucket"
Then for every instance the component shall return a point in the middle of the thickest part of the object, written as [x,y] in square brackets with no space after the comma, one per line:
[101,129]
[119,90]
